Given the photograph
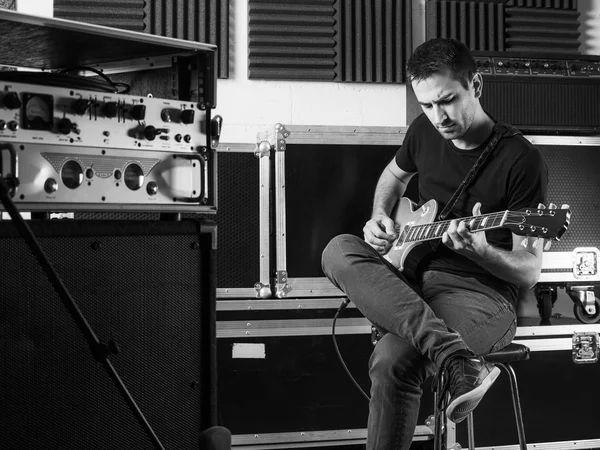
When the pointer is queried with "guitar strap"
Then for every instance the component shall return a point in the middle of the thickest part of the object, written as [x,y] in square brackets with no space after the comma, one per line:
[499,130]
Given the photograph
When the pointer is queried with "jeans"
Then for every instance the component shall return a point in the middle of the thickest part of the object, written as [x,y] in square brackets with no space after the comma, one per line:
[422,324]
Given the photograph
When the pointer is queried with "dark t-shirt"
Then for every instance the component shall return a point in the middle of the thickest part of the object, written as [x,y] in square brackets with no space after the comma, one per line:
[514,176]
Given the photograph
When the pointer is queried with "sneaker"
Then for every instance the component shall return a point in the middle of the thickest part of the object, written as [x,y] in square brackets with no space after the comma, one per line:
[468,379]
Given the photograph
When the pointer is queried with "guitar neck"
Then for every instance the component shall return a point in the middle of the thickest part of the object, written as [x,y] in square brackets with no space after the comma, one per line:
[435,230]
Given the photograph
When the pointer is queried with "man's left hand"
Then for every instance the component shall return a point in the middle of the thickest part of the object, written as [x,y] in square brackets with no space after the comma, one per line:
[459,238]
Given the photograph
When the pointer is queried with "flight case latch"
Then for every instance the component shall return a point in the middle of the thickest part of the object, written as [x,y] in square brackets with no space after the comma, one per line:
[585,347]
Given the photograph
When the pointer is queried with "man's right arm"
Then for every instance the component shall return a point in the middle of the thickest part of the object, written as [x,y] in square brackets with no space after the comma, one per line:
[379,231]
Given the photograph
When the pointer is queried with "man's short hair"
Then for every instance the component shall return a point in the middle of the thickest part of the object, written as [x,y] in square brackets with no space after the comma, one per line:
[439,55]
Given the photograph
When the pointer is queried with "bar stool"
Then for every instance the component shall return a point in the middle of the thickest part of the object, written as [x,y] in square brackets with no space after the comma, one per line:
[503,359]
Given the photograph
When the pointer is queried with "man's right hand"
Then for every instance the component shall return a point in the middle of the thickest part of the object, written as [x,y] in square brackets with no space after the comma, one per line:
[380,233]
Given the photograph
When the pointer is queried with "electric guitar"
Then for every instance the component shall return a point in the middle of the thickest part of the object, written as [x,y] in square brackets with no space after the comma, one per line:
[416,226]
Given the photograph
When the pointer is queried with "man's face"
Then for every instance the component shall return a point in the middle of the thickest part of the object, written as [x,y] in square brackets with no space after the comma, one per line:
[448,105]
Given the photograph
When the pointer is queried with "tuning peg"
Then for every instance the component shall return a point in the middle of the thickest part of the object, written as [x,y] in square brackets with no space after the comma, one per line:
[536,243]
[547,245]
[525,242]
[564,206]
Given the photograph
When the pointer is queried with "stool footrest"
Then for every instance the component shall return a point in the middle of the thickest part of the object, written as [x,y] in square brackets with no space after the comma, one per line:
[509,354]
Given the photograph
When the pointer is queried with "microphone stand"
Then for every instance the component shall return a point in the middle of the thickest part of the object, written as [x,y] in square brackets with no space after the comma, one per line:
[99,350]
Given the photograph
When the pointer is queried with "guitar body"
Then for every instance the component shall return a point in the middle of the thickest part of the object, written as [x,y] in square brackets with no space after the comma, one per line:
[404,215]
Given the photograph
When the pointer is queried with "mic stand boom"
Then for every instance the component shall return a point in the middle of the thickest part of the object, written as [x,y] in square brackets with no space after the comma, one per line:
[99,350]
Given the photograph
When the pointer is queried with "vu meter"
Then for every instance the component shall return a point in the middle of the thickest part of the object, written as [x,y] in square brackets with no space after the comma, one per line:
[38,111]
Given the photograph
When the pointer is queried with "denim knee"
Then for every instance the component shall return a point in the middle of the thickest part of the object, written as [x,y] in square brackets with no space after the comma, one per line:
[333,256]
[395,361]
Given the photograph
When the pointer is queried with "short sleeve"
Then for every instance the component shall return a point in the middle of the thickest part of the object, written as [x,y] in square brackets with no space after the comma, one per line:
[528,181]
[405,156]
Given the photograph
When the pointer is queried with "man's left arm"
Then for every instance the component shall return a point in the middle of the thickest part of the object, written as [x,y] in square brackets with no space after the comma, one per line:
[520,266]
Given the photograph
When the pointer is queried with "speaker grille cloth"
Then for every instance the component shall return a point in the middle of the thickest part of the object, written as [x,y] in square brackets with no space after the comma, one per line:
[573,180]
[538,102]
[144,293]
[238,221]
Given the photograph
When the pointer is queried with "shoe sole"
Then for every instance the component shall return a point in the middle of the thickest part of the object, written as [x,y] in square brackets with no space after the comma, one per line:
[462,406]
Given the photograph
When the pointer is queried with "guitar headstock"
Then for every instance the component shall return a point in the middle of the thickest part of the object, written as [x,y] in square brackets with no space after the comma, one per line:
[542,223]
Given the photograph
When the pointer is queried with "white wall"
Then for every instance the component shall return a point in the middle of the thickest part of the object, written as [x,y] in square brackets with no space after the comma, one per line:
[252,106]
[36,7]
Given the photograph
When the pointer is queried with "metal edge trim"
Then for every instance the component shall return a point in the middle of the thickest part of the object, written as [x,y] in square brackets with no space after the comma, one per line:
[546,345]
[302,445]
[557,260]
[566,277]
[364,135]
[291,327]
[313,285]
[554,330]
[563,140]
[280,211]
[115,207]
[236,293]
[563,445]
[280,304]
[235,148]
[536,338]
[422,432]
[264,224]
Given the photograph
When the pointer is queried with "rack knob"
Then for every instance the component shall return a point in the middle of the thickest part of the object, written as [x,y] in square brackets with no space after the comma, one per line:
[12,100]
[65,126]
[138,112]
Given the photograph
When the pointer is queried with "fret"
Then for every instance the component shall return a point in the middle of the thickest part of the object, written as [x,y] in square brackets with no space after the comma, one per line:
[421,230]
[428,231]
[418,231]
[408,233]
[411,235]
[484,221]
[443,228]
[497,221]
[403,236]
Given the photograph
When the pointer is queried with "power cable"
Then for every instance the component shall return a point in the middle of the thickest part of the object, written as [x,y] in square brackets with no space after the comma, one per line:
[343,305]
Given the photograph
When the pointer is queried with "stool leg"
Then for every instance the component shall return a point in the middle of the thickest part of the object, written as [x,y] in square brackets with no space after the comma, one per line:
[439,416]
[516,404]
[471,431]
[439,419]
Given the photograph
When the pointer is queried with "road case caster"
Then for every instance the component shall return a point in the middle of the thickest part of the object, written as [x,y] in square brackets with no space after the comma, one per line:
[546,297]
[586,306]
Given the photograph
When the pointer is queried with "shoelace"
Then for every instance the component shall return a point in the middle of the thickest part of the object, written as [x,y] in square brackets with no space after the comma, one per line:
[447,375]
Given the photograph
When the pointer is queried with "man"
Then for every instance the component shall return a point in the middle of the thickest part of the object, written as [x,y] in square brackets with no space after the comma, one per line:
[462,304]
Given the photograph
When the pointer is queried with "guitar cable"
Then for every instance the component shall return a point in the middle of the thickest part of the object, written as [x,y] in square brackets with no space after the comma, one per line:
[342,306]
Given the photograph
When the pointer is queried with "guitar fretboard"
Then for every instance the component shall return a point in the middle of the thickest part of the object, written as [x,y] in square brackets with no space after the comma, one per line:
[435,230]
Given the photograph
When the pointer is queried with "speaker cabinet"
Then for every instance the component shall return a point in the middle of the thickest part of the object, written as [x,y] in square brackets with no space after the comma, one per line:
[146,287]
